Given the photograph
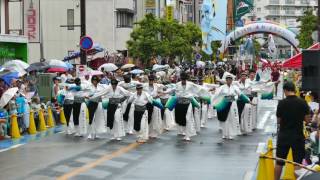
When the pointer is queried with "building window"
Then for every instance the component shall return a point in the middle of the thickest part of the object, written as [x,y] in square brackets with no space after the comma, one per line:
[258,9]
[70,19]
[124,19]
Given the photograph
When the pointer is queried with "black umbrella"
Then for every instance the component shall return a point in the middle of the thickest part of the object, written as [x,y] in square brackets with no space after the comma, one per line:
[38,66]
[313,176]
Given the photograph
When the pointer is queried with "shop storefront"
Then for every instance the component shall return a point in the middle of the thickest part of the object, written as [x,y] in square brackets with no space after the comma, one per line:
[13,47]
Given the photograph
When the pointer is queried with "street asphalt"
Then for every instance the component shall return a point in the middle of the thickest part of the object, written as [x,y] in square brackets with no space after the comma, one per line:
[58,156]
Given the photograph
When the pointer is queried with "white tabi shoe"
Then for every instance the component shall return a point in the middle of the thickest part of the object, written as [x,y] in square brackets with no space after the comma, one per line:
[187,138]
[69,130]
[119,139]
[77,134]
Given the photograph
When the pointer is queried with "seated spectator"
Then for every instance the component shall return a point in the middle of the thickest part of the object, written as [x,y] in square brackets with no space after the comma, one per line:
[36,107]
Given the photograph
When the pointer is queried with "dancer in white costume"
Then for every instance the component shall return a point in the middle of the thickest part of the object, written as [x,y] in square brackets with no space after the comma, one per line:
[167,116]
[245,109]
[140,99]
[254,98]
[206,108]
[228,118]
[128,108]
[116,96]
[183,110]
[154,113]
[96,114]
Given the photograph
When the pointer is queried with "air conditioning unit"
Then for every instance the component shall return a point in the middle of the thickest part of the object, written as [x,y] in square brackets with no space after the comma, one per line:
[45,84]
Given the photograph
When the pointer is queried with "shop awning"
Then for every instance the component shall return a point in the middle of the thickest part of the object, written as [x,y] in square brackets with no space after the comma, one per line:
[296,61]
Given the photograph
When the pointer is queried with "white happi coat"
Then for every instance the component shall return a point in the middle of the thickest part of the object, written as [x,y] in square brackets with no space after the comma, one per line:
[188,91]
[131,87]
[142,100]
[168,117]
[118,126]
[246,116]
[231,126]
[156,123]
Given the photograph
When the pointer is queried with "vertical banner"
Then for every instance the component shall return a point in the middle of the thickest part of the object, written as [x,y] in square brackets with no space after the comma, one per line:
[31,20]
[220,19]
[170,14]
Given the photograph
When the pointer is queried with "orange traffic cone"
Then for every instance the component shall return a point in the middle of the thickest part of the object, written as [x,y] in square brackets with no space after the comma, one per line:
[62,117]
[50,118]
[42,123]
[32,127]
[15,132]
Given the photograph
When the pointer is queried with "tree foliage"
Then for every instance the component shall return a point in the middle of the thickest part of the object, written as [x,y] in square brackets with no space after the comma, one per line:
[158,37]
[308,25]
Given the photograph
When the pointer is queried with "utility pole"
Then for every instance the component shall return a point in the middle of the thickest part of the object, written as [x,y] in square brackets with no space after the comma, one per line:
[196,16]
[83,55]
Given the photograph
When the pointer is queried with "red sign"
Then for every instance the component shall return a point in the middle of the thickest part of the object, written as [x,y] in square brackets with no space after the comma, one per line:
[31,20]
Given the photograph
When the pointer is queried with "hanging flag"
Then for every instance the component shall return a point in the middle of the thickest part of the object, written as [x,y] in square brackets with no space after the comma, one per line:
[242,7]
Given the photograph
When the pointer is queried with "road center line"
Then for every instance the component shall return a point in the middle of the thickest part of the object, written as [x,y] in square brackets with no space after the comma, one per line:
[102,159]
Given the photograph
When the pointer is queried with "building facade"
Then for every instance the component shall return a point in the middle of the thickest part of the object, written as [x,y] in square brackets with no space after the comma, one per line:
[108,22]
[284,12]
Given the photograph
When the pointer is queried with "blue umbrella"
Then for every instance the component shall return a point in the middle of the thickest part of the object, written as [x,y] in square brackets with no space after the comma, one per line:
[137,71]
[70,66]
[7,78]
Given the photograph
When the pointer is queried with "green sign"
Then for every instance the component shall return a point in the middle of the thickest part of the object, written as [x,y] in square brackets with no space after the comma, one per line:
[242,7]
[14,51]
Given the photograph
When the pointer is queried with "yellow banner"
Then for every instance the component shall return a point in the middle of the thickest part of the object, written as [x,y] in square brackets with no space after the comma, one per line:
[170,13]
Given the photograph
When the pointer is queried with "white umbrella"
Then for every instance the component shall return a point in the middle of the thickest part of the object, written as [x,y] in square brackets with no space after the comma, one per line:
[57,63]
[16,63]
[94,73]
[201,64]
[7,96]
[108,67]
[136,71]
[158,67]
[126,66]
[19,70]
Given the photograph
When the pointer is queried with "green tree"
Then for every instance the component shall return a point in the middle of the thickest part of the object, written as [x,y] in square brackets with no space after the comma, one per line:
[308,25]
[168,39]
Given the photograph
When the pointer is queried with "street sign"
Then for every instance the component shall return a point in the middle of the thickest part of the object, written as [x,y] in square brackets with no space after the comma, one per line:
[170,13]
[86,43]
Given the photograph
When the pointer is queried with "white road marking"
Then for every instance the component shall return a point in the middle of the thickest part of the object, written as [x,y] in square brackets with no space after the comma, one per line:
[12,147]
[263,120]
[261,147]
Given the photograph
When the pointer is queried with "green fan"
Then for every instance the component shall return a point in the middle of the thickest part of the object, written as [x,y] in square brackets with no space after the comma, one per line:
[105,103]
[222,104]
[244,98]
[194,102]
[171,103]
